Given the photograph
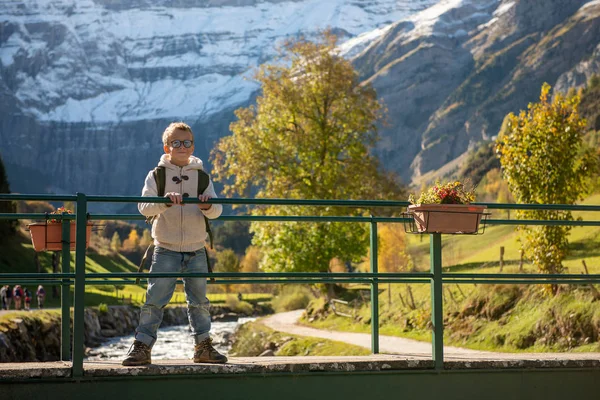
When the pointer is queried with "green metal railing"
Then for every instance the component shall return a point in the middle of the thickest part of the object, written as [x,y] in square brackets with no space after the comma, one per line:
[79,279]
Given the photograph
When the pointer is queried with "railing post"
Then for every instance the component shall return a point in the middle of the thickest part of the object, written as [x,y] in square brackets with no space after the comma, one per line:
[79,298]
[65,296]
[437,317]
[374,292]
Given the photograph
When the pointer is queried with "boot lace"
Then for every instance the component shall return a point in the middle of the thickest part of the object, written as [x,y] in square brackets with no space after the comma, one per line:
[137,348]
[206,345]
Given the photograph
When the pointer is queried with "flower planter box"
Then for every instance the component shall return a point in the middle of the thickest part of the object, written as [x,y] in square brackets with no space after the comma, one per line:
[446,218]
[47,236]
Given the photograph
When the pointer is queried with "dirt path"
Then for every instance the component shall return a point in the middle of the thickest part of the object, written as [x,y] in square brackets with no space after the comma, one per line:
[287,322]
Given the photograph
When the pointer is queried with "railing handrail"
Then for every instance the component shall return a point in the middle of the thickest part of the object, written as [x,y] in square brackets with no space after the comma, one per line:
[436,276]
[280,201]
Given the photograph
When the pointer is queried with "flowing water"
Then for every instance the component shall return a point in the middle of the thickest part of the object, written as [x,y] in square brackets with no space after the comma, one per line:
[173,343]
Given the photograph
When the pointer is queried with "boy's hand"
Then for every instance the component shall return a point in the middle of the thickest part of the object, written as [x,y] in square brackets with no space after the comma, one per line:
[175,198]
[204,197]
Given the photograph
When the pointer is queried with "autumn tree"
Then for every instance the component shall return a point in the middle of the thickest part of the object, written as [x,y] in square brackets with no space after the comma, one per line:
[392,256]
[545,161]
[132,241]
[250,263]
[308,137]
[146,239]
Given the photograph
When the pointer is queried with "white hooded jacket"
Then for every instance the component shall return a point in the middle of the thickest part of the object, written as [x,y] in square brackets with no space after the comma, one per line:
[179,228]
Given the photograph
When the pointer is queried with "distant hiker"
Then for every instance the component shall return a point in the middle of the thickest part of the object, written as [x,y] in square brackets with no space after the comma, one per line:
[9,297]
[41,296]
[3,296]
[18,296]
[27,296]
[179,233]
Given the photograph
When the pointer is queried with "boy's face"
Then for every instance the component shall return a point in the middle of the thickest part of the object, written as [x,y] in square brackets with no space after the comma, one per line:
[180,156]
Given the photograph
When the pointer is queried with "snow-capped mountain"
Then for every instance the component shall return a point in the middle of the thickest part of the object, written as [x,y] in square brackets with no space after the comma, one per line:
[451,73]
[87,86]
[88,61]
[89,82]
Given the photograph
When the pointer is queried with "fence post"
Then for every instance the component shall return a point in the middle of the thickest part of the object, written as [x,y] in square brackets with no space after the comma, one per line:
[374,292]
[79,301]
[65,295]
[437,317]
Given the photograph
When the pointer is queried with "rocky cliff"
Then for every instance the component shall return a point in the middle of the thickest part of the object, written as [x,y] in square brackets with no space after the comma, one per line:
[449,77]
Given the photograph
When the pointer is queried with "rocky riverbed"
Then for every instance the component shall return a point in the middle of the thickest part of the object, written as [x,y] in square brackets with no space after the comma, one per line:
[35,336]
[173,343]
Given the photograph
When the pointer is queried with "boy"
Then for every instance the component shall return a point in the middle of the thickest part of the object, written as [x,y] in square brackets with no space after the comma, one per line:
[179,233]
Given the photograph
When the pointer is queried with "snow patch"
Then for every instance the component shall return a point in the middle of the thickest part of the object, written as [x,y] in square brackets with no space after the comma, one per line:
[590,4]
[163,62]
[503,9]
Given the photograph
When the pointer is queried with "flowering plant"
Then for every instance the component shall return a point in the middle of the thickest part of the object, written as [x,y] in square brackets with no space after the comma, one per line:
[448,193]
[60,211]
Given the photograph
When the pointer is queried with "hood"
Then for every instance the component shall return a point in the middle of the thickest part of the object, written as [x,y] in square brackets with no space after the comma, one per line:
[195,163]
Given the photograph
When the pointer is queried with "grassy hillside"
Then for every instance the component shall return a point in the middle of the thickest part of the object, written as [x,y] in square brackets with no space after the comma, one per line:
[17,256]
[254,338]
[488,317]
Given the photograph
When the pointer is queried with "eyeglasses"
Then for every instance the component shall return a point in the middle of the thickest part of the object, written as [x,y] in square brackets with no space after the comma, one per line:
[186,143]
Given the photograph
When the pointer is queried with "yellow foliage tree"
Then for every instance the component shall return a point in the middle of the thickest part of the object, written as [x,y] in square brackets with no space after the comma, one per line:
[146,239]
[545,161]
[132,241]
[251,263]
[392,255]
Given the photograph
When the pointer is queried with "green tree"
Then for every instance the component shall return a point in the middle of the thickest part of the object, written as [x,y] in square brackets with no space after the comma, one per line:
[227,261]
[545,161]
[233,235]
[7,227]
[115,242]
[307,137]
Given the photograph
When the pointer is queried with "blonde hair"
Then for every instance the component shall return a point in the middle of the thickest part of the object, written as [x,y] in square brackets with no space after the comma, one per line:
[173,126]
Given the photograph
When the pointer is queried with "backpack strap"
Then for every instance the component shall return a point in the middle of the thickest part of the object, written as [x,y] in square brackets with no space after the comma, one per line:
[160,179]
[143,262]
[203,182]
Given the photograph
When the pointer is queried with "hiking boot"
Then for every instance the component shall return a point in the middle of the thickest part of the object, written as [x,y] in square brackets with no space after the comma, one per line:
[204,352]
[139,354]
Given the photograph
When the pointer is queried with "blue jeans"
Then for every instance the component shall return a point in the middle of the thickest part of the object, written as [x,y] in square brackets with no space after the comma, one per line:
[160,291]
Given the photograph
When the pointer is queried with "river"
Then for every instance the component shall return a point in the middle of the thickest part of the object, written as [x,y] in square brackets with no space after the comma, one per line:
[173,343]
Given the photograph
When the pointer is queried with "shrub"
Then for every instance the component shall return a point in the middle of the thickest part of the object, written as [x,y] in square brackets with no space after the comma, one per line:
[240,307]
[291,298]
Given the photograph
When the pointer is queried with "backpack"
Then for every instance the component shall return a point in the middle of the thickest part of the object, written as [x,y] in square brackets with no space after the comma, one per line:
[159,174]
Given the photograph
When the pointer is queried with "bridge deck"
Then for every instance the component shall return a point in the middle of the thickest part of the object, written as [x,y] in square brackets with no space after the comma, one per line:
[266,365]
